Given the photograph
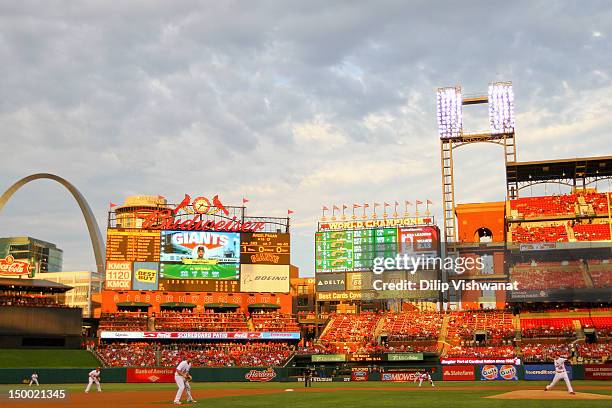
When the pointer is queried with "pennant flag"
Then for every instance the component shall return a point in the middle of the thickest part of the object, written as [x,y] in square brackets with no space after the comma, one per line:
[419,202]
[161,197]
[289,212]
[111,205]
[245,200]
[408,203]
[366,205]
[387,205]
[396,203]
[325,208]
[356,206]
[344,206]
[376,205]
[429,202]
[336,207]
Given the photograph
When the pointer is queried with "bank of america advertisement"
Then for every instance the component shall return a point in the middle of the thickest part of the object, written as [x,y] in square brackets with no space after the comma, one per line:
[264,278]
[199,255]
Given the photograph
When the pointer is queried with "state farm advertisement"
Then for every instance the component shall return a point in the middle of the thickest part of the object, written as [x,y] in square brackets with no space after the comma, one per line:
[497,372]
[150,375]
[598,372]
[458,373]
[118,275]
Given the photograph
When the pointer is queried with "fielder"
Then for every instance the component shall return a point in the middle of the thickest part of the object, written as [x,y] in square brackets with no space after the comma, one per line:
[94,377]
[182,378]
[560,373]
[34,379]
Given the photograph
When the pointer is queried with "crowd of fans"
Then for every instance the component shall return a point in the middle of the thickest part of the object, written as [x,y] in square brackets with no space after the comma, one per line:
[123,321]
[401,327]
[548,327]
[497,324]
[279,322]
[537,352]
[29,300]
[481,352]
[226,354]
[202,322]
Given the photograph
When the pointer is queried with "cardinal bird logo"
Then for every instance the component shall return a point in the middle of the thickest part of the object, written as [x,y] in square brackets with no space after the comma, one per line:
[183,204]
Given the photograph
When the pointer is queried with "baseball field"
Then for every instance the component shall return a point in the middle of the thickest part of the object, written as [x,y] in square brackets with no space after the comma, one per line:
[369,394]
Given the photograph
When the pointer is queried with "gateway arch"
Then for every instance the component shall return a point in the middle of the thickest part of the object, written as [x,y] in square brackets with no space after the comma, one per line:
[90,220]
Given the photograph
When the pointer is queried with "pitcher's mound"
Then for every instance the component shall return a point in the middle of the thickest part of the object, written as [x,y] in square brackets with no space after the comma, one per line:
[549,395]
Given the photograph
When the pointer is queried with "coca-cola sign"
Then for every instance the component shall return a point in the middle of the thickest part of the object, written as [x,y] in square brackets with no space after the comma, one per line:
[260,375]
[10,267]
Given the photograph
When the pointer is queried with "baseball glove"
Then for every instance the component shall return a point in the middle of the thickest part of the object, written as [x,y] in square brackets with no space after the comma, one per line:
[188,377]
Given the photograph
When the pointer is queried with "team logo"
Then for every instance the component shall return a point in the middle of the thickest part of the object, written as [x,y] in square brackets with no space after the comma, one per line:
[508,372]
[489,372]
[260,376]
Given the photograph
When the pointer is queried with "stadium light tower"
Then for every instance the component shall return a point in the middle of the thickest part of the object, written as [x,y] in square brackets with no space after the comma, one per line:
[450,103]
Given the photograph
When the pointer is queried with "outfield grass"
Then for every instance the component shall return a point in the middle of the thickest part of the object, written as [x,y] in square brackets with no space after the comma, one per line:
[445,395]
[46,358]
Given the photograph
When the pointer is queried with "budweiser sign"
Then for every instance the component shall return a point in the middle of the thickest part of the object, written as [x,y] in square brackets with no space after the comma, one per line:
[189,215]
[260,376]
[10,267]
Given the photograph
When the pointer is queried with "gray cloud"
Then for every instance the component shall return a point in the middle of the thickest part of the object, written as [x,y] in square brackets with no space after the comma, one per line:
[292,104]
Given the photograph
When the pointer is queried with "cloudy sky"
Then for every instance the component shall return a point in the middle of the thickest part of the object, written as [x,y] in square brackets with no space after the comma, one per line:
[291,104]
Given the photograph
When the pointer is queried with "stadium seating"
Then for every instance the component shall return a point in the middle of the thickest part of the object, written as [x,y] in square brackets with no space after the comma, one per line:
[551,233]
[481,352]
[123,321]
[537,352]
[411,326]
[29,300]
[597,351]
[533,207]
[349,333]
[497,324]
[270,322]
[548,275]
[547,327]
[227,354]
[592,232]
[204,322]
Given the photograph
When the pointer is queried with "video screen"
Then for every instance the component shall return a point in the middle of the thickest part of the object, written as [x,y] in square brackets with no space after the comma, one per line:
[199,255]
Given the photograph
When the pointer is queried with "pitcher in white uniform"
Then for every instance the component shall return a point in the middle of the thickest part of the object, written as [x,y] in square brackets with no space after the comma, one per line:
[560,374]
[182,377]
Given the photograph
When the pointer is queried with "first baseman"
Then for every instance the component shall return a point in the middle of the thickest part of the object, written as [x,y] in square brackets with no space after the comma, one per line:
[560,373]
[94,377]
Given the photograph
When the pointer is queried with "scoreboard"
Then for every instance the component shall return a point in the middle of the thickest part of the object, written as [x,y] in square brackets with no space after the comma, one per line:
[132,245]
[264,248]
[353,250]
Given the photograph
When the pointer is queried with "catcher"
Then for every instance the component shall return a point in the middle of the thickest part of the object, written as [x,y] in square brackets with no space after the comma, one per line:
[182,378]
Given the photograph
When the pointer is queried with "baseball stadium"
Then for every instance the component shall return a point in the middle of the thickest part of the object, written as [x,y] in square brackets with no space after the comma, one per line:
[196,302]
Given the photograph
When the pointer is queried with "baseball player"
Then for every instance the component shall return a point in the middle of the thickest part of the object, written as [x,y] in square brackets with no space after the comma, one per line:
[424,377]
[94,377]
[182,377]
[34,379]
[560,373]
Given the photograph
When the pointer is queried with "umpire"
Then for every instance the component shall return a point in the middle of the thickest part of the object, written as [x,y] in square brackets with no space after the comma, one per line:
[307,377]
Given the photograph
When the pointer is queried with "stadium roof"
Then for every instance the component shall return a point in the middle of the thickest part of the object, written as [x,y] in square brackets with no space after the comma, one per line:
[557,170]
[33,285]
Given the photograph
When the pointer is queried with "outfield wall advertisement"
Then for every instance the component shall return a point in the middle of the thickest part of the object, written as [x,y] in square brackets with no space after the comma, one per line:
[538,372]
